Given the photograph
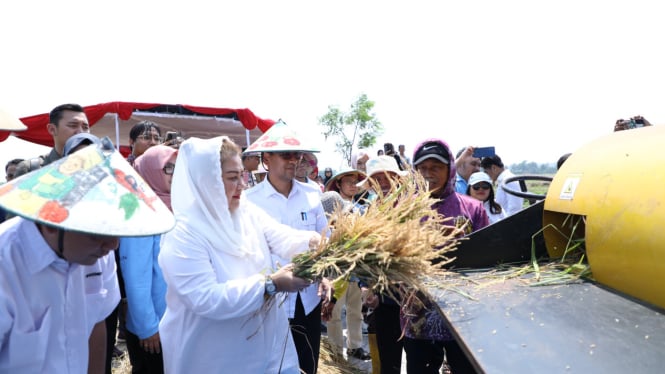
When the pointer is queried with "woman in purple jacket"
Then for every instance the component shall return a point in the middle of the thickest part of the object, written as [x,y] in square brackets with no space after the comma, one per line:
[427,339]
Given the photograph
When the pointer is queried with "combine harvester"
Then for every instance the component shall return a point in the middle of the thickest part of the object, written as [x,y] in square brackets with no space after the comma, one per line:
[513,314]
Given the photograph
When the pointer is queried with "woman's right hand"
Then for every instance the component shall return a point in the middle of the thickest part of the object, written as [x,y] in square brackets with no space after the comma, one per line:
[285,281]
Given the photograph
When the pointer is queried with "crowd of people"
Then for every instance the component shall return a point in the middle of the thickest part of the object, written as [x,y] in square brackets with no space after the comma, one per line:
[217,290]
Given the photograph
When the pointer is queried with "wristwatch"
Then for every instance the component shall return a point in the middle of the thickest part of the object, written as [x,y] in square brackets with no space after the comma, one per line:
[270,286]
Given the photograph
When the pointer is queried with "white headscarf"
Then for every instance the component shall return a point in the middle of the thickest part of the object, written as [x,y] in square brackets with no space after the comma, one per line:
[200,205]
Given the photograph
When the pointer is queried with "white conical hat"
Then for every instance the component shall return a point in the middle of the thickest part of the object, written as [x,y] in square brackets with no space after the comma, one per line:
[280,138]
[92,191]
[9,122]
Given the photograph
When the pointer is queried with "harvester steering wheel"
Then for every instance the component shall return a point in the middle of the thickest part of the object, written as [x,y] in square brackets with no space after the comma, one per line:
[524,194]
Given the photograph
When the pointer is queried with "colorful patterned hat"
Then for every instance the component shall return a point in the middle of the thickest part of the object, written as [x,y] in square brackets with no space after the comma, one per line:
[91,191]
[279,138]
[10,123]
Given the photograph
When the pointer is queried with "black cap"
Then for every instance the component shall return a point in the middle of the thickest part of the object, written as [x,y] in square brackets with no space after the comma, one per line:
[433,150]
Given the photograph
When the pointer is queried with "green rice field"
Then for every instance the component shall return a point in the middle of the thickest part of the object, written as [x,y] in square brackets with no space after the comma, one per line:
[537,187]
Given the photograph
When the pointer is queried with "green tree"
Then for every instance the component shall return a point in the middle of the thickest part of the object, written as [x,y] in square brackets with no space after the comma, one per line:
[526,167]
[359,126]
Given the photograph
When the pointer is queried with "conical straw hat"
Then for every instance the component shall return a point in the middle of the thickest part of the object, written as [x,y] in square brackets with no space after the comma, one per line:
[332,182]
[9,122]
[280,138]
[91,191]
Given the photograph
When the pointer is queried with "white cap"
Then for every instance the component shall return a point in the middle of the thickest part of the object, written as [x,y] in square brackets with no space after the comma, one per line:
[479,177]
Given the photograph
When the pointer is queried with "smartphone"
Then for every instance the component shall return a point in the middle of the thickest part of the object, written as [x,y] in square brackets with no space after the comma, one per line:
[171,136]
[481,152]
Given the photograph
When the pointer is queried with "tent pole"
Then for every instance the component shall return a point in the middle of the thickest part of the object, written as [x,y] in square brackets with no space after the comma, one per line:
[117,132]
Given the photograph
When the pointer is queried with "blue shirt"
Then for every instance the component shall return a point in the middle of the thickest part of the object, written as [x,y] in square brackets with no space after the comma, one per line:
[144,284]
[460,184]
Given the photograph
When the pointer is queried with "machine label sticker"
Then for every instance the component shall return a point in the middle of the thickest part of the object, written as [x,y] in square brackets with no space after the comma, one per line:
[569,187]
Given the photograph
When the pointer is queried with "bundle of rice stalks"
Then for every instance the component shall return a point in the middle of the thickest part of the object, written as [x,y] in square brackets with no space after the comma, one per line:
[398,239]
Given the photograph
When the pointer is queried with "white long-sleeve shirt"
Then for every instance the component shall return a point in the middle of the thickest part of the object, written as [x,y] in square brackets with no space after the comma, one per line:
[48,306]
[216,310]
[510,203]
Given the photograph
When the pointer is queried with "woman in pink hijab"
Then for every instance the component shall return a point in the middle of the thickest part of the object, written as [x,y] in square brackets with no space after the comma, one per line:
[156,166]
[144,283]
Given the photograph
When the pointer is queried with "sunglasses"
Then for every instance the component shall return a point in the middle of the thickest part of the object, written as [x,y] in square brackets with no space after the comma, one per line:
[168,169]
[484,186]
[288,156]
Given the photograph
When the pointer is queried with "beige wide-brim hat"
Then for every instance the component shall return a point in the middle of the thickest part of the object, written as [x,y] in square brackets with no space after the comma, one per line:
[280,138]
[92,191]
[332,182]
[10,123]
[381,164]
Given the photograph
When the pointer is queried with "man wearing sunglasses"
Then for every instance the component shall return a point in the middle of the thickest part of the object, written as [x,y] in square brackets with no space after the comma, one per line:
[299,206]
[427,339]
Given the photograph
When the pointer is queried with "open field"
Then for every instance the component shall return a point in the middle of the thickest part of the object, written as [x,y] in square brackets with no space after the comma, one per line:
[537,187]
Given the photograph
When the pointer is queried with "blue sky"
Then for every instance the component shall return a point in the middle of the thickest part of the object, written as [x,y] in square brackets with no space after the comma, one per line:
[535,79]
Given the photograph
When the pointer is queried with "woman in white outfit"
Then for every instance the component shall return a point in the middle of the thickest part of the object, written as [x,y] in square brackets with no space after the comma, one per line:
[217,266]
[480,187]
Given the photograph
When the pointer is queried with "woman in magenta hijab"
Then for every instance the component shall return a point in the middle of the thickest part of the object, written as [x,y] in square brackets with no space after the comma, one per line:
[144,284]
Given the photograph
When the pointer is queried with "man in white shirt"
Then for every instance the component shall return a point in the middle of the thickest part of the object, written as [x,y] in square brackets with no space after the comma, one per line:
[50,302]
[57,284]
[494,167]
[297,205]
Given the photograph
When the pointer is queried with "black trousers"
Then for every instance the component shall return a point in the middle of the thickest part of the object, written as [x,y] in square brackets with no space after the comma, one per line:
[142,362]
[306,331]
[111,326]
[114,317]
[388,331]
[426,356]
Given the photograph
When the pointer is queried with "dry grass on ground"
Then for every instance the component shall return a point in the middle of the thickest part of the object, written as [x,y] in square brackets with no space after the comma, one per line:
[330,362]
